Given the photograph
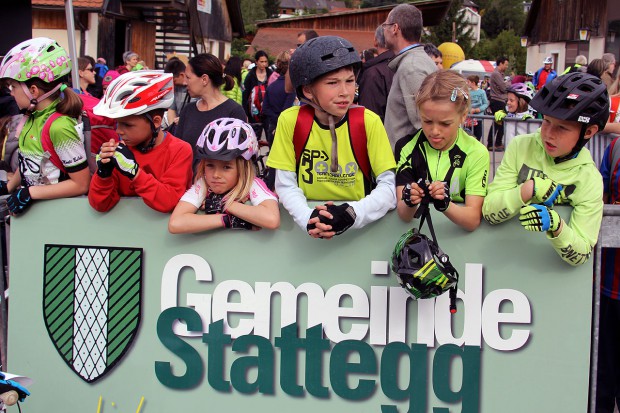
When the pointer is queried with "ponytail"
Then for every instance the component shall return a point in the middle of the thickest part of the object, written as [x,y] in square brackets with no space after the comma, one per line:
[70,103]
[229,82]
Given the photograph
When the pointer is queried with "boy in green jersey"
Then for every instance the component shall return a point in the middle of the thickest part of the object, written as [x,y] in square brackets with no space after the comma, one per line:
[551,167]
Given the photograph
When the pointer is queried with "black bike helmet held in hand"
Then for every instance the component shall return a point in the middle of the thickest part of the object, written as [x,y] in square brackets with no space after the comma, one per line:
[422,268]
[320,56]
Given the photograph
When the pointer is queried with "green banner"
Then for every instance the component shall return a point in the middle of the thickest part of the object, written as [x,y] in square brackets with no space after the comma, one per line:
[272,320]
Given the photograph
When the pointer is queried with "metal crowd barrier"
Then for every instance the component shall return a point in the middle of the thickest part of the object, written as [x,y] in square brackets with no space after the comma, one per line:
[608,237]
[511,126]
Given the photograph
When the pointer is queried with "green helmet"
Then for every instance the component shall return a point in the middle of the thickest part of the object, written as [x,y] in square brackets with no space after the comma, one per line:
[40,57]
[422,268]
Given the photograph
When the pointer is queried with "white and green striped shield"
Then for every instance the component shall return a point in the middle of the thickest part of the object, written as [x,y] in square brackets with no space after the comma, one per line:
[91,304]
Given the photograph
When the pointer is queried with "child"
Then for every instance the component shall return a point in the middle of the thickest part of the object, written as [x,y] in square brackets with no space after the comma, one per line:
[442,159]
[148,162]
[225,180]
[39,89]
[517,105]
[479,104]
[551,166]
[326,161]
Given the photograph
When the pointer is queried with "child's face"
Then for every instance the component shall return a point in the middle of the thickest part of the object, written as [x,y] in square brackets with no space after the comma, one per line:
[18,93]
[334,92]
[512,104]
[440,123]
[559,136]
[134,130]
[472,85]
[221,176]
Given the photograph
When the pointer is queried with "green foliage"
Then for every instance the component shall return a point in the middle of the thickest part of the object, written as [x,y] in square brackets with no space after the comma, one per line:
[500,15]
[272,8]
[238,48]
[453,22]
[508,44]
[376,3]
[252,10]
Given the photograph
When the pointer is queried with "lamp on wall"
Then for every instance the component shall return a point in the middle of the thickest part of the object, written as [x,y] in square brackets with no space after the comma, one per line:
[523,41]
[611,36]
[584,34]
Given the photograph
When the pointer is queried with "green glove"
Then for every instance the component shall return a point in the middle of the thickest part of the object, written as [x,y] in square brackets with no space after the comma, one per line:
[499,116]
[546,191]
[125,161]
[539,218]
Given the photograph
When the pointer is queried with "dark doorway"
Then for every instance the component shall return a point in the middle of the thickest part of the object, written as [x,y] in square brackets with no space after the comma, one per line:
[16,23]
[120,40]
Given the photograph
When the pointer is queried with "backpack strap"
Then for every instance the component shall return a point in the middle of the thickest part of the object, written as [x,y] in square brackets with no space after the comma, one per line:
[46,142]
[359,140]
[303,125]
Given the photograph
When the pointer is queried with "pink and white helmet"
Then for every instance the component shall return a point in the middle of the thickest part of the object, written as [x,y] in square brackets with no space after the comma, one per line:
[136,93]
[225,139]
[522,91]
[41,58]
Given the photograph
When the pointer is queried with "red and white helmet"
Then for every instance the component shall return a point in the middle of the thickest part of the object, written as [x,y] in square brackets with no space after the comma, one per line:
[225,139]
[136,93]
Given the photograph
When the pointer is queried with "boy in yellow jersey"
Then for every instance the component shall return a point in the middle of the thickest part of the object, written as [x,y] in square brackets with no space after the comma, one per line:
[328,150]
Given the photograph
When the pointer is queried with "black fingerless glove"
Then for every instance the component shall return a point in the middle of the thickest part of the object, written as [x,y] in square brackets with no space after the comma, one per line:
[4,188]
[343,217]
[233,222]
[406,196]
[19,201]
[315,213]
[104,170]
[442,204]
[214,203]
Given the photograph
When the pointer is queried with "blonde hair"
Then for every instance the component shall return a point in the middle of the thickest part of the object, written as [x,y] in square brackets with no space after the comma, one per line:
[241,191]
[445,85]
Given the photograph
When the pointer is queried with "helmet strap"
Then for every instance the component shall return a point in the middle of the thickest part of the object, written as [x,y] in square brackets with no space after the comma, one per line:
[577,148]
[35,101]
[147,147]
[332,129]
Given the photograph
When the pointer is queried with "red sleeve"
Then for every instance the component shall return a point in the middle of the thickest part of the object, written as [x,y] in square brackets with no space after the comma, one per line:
[103,194]
[162,193]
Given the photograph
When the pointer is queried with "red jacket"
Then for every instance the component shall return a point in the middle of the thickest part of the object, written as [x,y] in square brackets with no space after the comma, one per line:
[165,175]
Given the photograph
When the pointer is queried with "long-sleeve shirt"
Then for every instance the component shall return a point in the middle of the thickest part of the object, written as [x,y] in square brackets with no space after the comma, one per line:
[165,174]
[498,86]
[479,100]
[526,158]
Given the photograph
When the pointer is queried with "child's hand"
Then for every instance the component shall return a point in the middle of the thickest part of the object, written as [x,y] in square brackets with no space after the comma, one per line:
[412,194]
[440,192]
[19,201]
[125,161]
[499,116]
[105,159]
[233,222]
[318,229]
[546,191]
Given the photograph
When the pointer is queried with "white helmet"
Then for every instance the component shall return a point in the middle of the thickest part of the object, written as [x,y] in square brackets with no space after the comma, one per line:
[136,93]
[548,60]
[226,139]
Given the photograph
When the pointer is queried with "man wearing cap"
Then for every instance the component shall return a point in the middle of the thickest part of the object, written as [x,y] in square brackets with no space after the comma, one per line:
[545,74]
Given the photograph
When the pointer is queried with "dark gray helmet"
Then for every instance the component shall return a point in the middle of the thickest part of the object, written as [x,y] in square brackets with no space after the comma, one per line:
[320,56]
[577,96]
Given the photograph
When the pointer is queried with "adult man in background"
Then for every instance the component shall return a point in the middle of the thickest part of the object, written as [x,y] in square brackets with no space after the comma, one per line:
[579,66]
[376,79]
[545,74]
[497,102]
[403,30]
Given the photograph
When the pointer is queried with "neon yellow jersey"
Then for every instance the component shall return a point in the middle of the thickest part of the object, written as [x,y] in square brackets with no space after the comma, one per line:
[468,158]
[314,176]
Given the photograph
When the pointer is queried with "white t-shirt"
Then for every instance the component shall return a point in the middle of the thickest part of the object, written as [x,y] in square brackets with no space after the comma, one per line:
[258,193]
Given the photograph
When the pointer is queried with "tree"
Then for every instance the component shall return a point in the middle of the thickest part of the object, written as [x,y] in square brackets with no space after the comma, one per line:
[272,8]
[508,44]
[500,15]
[453,23]
[252,10]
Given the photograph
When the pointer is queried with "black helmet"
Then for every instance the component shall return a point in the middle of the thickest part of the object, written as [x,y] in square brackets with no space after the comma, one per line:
[320,56]
[422,268]
[579,97]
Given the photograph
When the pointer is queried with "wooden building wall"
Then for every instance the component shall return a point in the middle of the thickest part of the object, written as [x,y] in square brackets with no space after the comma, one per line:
[143,41]
[558,21]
